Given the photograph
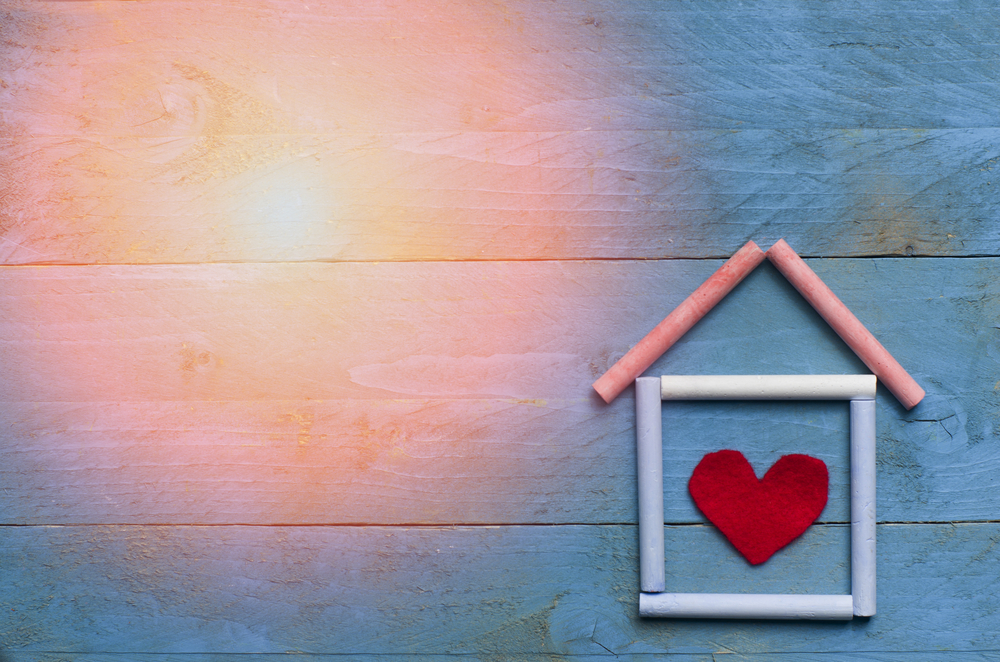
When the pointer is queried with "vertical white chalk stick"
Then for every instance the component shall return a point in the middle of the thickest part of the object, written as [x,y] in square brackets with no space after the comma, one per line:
[746,605]
[649,461]
[863,506]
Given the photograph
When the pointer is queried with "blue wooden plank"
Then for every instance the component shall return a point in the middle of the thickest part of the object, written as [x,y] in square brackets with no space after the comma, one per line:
[589,130]
[806,65]
[552,66]
[482,195]
[458,393]
[480,591]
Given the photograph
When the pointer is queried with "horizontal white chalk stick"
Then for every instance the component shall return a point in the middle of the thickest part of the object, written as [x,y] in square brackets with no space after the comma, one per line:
[747,605]
[767,387]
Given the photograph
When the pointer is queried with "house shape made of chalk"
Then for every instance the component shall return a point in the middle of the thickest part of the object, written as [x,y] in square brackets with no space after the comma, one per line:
[858,389]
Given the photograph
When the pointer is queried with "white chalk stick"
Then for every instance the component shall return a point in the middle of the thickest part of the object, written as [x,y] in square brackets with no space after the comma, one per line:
[863,506]
[649,460]
[767,387]
[746,605]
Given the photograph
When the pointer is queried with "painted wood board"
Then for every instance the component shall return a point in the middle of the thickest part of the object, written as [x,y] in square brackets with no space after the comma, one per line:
[455,392]
[496,195]
[184,132]
[132,134]
[502,591]
[110,67]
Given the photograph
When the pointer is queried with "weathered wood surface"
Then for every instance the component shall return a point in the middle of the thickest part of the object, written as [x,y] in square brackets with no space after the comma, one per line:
[448,392]
[487,195]
[334,66]
[374,131]
[493,593]
[460,392]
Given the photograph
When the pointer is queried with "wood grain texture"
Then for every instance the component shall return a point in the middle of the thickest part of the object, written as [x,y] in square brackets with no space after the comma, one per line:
[488,195]
[522,130]
[551,66]
[458,393]
[452,387]
[502,591]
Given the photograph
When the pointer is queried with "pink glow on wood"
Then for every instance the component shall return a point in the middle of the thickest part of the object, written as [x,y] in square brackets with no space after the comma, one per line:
[847,326]
[678,322]
[351,131]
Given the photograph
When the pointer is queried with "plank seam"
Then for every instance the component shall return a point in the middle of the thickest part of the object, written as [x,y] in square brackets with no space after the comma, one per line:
[439,260]
[474,525]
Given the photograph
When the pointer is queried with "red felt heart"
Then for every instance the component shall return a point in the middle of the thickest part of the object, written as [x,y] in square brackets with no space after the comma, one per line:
[759,516]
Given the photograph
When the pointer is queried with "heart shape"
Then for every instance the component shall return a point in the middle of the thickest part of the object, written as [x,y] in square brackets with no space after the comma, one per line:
[759,516]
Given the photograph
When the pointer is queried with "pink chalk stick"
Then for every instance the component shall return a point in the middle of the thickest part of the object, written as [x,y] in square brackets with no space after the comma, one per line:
[678,322]
[847,326]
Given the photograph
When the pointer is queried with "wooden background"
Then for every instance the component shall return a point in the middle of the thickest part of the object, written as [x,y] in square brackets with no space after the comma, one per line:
[300,304]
